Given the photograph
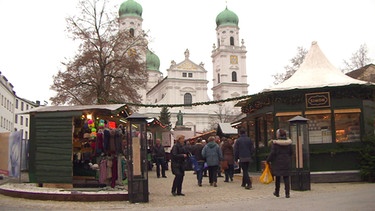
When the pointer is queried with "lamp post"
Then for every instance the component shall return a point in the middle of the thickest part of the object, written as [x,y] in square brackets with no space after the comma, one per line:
[137,159]
[299,133]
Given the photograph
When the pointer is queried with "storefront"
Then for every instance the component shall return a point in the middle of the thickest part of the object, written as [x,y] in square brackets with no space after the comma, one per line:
[77,144]
[339,109]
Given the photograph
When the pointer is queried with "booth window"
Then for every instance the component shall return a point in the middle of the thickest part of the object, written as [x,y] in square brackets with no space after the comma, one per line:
[283,118]
[347,125]
[265,129]
[320,130]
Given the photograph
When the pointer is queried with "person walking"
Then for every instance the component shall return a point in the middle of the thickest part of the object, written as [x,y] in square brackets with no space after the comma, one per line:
[213,155]
[158,153]
[205,169]
[243,150]
[197,152]
[219,141]
[228,155]
[178,156]
[280,160]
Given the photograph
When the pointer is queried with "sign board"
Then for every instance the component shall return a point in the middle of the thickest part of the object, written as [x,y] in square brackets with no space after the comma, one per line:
[318,100]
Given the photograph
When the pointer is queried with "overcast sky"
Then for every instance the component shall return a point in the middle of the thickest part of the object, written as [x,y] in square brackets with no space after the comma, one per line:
[33,40]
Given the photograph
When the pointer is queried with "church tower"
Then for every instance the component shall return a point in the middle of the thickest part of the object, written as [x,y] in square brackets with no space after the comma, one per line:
[130,17]
[229,58]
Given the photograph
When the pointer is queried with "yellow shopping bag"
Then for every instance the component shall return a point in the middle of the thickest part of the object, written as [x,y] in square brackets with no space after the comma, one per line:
[266,177]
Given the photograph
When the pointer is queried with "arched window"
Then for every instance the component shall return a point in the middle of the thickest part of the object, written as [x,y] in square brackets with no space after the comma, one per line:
[131,31]
[232,41]
[218,78]
[188,99]
[234,76]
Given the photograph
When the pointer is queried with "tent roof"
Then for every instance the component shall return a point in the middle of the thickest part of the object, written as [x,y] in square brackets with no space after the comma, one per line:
[315,71]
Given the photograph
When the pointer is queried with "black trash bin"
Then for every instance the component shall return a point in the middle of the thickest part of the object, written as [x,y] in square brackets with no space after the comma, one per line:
[300,180]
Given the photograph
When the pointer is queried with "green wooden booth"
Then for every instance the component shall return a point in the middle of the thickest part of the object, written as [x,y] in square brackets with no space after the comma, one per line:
[53,130]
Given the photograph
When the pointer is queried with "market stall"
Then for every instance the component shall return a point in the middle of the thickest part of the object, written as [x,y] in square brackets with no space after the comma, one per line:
[75,145]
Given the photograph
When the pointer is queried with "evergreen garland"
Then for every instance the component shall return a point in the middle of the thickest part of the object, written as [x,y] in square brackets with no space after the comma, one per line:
[185,105]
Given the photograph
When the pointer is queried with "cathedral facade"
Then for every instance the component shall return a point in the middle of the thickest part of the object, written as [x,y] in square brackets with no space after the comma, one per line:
[186,82]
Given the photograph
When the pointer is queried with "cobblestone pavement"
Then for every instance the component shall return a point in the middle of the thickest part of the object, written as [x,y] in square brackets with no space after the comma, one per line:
[227,196]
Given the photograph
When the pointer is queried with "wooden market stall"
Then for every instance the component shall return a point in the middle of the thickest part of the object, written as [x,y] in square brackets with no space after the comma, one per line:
[65,144]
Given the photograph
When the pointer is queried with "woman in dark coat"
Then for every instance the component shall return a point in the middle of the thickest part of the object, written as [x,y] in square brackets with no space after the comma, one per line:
[280,159]
[228,154]
[179,154]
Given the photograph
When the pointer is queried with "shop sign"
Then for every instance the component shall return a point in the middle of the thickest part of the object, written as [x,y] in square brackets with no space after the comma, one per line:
[318,100]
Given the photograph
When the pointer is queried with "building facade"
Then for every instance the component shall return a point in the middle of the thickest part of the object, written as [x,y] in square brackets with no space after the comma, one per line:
[13,110]
[7,105]
[21,118]
[186,81]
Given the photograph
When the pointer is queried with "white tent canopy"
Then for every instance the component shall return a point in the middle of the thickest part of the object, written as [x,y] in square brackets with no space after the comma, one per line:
[315,71]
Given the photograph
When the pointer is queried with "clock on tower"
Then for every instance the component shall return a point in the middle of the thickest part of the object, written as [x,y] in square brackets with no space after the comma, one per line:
[233,59]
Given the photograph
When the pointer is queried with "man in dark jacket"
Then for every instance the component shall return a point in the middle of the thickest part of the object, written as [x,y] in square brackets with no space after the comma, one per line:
[243,151]
[158,153]
[179,154]
[197,152]
[280,158]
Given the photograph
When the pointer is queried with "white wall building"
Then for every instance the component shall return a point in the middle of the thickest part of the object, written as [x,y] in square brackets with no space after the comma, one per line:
[12,110]
[22,120]
[7,105]
[186,82]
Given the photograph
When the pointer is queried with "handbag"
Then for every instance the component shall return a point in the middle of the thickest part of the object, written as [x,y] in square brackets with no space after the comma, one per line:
[224,165]
[266,177]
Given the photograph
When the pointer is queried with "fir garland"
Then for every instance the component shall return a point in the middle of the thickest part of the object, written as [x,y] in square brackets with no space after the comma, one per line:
[189,105]
[186,105]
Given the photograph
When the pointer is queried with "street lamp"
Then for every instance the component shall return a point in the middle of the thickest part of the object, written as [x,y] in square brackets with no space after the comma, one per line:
[137,158]
[299,133]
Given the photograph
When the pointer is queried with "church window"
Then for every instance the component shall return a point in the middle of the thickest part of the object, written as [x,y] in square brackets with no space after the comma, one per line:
[188,99]
[184,75]
[232,41]
[190,75]
[131,31]
[218,42]
[218,78]
[234,76]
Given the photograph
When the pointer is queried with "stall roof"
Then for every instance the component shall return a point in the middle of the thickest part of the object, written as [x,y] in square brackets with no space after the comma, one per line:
[204,135]
[315,71]
[226,129]
[108,107]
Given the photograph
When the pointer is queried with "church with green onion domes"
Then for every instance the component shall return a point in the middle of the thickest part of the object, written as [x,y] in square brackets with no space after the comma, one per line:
[186,81]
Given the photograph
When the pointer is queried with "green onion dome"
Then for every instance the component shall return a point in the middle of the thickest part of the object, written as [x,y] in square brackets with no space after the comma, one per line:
[130,8]
[227,17]
[152,61]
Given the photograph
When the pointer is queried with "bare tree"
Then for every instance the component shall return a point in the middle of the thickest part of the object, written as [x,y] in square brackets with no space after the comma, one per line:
[359,59]
[296,61]
[225,113]
[108,67]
